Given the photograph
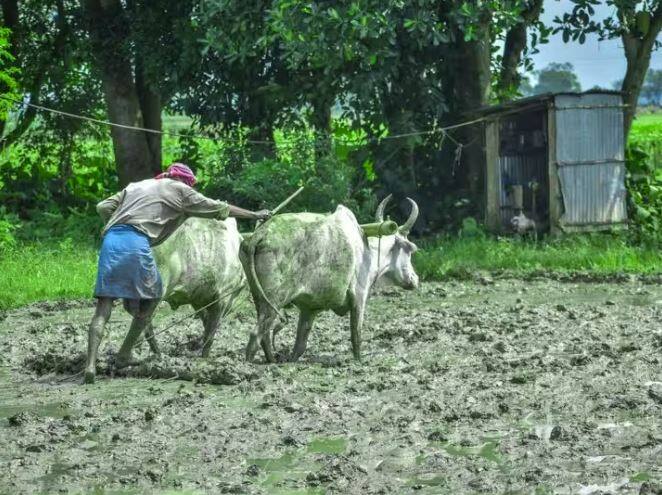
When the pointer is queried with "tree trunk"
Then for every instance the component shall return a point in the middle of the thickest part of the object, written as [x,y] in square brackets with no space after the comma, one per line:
[514,46]
[638,48]
[136,154]
[470,86]
[150,106]
[321,121]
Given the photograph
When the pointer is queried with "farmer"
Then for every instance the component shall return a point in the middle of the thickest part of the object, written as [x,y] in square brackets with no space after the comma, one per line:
[142,215]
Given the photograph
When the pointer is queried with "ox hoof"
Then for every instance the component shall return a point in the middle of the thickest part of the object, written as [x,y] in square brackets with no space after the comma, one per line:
[89,377]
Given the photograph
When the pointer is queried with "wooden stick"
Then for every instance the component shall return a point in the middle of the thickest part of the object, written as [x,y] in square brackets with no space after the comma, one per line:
[282,205]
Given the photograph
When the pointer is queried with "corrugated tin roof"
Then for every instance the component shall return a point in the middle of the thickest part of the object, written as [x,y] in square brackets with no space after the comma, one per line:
[533,102]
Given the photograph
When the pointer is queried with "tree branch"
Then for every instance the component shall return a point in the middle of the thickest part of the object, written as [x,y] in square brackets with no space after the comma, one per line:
[655,26]
[515,44]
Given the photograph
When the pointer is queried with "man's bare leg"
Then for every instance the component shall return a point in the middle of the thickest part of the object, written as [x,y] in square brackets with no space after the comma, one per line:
[95,334]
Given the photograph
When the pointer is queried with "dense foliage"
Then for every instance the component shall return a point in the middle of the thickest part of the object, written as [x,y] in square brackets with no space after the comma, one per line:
[8,72]
[292,93]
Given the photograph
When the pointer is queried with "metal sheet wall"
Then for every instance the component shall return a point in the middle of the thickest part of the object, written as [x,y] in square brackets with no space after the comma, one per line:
[590,158]
[593,194]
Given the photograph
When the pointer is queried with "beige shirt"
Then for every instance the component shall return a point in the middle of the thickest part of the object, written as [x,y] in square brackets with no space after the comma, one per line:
[156,207]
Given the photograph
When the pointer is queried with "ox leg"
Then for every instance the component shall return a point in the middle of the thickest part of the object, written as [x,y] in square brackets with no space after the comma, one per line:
[141,319]
[355,326]
[267,342]
[95,334]
[306,320]
[210,321]
[151,339]
[265,325]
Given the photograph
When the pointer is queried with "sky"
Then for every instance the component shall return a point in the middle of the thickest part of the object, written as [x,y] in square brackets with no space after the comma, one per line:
[596,63]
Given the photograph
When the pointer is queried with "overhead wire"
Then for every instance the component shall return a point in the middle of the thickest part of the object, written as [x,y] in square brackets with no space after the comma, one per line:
[359,142]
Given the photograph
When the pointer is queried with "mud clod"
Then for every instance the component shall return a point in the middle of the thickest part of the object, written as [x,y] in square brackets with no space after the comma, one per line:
[150,414]
[253,470]
[21,418]
[655,392]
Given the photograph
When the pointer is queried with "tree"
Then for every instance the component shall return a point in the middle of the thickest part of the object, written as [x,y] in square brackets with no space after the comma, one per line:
[637,23]
[404,65]
[240,76]
[652,88]
[557,78]
[48,56]
[111,59]
[136,51]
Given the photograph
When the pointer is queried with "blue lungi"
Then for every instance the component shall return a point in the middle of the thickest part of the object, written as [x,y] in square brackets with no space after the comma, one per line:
[127,269]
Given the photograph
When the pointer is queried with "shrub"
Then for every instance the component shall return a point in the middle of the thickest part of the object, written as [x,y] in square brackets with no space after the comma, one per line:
[8,225]
[644,184]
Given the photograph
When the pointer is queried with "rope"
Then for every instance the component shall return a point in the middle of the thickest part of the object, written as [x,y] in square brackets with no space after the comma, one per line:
[190,315]
[442,130]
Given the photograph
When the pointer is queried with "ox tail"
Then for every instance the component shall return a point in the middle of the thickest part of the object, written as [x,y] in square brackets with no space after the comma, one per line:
[251,260]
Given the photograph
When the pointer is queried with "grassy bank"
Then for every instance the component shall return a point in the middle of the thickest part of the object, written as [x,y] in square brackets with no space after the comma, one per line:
[598,254]
[35,272]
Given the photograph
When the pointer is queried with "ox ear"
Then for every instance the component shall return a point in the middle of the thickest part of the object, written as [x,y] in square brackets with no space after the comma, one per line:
[379,214]
[405,228]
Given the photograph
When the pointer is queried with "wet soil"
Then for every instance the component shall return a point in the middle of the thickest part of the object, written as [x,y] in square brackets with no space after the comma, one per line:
[494,386]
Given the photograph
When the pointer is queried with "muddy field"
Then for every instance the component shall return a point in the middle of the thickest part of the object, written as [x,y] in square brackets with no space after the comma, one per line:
[494,387]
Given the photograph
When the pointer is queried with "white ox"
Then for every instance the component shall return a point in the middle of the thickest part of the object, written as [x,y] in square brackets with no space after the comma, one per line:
[199,265]
[320,262]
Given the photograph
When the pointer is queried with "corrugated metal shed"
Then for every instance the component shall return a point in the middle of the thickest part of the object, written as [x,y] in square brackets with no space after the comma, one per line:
[565,152]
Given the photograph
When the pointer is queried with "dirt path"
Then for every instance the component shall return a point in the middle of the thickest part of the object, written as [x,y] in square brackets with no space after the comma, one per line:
[513,387]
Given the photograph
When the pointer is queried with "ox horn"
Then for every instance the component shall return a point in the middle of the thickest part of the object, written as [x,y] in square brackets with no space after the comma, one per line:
[406,227]
[379,214]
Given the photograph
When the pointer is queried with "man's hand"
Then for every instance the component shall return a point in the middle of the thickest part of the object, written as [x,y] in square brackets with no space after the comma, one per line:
[262,215]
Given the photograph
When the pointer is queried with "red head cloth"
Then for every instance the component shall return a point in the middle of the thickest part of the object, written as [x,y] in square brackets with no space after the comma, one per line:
[179,171]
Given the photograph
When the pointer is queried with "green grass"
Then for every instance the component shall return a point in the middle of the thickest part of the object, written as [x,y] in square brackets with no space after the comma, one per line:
[597,254]
[646,134]
[648,122]
[36,272]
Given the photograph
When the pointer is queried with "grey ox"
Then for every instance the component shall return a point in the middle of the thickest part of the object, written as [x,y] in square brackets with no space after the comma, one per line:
[199,265]
[319,262]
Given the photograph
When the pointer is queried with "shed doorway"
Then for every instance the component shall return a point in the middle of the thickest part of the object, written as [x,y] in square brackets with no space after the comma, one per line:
[523,167]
